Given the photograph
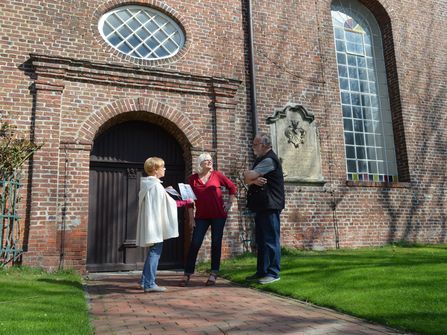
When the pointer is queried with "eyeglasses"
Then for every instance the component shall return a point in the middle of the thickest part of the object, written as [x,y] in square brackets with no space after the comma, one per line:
[256,144]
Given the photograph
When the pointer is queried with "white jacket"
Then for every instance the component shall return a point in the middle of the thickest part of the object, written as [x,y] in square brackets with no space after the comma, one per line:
[157,213]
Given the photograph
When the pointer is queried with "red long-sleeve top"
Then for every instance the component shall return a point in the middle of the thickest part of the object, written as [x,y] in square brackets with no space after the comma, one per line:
[209,203]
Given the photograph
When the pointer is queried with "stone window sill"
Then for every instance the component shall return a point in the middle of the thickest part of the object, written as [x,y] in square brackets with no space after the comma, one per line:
[381,184]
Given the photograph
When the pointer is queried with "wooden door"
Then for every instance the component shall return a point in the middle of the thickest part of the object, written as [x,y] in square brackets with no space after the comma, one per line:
[116,166]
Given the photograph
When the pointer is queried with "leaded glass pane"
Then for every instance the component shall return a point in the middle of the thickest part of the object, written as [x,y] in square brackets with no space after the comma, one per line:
[359,139]
[350,151]
[347,124]
[339,33]
[368,126]
[349,138]
[361,62]
[347,111]
[340,46]
[357,112]
[114,22]
[134,24]
[342,71]
[363,74]
[341,58]
[134,41]
[344,84]
[364,86]
[345,98]
[124,48]
[372,167]
[363,166]
[367,113]
[354,84]
[351,60]
[123,15]
[352,166]
[355,99]
[371,153]
[361,154]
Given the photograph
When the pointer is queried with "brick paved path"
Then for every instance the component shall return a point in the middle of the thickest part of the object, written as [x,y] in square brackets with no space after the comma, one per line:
[118,306]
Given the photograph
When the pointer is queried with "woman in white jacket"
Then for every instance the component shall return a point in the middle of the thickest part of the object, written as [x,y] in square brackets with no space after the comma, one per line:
[157,220]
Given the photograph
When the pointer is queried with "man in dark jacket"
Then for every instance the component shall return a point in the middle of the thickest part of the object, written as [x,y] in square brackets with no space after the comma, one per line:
[266,198]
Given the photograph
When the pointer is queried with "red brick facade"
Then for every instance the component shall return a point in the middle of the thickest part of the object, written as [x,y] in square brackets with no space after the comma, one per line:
[63,85]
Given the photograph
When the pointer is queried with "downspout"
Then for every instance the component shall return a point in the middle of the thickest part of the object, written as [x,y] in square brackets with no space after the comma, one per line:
[252,72]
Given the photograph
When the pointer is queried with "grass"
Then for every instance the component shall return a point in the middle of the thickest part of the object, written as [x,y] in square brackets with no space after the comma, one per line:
[404,287]
[33,301]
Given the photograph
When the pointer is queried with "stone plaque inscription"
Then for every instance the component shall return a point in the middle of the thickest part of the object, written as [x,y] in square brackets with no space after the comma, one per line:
[296,142]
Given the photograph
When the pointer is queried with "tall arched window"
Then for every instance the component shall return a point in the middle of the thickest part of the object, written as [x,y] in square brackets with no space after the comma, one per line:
[368,129]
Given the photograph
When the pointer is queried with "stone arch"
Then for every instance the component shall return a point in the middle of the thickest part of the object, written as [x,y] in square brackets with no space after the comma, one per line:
[145,109]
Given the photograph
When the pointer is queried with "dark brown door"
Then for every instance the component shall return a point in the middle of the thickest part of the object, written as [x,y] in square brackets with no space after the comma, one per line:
[116,166]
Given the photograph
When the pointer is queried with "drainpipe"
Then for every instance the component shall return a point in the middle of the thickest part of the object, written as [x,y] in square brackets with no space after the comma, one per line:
[251,52]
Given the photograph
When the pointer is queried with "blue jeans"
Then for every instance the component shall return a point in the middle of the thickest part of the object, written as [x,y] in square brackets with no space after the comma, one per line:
[151,265]
[200,229]
[267,228]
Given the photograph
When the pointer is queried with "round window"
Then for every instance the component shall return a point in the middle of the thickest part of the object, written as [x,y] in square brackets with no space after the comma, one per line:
[141,32]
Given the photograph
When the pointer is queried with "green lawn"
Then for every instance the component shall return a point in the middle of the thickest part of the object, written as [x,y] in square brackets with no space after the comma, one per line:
[36,302]
[402,287]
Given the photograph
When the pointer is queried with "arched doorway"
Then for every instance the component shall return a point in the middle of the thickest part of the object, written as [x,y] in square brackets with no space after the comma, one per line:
[116,166]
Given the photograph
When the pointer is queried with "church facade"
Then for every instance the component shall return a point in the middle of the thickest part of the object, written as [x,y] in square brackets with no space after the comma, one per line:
[352,91]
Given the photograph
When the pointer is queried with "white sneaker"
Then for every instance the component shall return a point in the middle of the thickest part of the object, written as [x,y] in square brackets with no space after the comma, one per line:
[155,288]
[267,280]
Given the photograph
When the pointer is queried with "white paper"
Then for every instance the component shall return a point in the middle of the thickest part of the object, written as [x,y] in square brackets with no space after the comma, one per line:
[172,191]
[186,191]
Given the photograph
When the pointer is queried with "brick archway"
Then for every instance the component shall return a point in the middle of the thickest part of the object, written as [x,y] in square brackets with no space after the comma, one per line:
[185,129]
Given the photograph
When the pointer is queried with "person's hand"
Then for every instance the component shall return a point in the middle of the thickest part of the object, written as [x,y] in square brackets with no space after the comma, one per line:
[227,206]
[189,201]
[260,181]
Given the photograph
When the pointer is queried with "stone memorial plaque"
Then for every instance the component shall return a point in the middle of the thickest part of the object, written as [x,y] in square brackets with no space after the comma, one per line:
[296,142]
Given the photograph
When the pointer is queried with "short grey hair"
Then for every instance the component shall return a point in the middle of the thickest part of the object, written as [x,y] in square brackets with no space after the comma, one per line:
[202,157]
[265,139]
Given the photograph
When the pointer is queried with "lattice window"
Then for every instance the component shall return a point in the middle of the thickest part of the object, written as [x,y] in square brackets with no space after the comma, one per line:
[368,129]
[141,32]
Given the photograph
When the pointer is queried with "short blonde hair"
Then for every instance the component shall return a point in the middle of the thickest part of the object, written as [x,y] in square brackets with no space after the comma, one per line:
[202,157]
[152,164]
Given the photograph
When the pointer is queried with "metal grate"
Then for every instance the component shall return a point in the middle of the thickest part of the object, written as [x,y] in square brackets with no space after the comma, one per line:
[10,230]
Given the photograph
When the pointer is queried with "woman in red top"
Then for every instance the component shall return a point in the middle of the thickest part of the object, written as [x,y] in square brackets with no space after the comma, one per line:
[210,211]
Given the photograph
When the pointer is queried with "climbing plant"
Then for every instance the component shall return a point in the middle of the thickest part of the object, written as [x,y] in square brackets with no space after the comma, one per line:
[15,151]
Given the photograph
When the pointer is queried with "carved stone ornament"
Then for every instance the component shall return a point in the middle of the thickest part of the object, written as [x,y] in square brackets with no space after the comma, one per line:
[297,144]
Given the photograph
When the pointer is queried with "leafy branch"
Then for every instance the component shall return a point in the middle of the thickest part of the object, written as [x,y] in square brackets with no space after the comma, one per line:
[14,150]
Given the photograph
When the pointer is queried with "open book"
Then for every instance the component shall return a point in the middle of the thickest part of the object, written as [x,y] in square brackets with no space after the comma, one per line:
[186,191]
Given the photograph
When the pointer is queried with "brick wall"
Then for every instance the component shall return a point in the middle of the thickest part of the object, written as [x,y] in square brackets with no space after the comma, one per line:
[63,85]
